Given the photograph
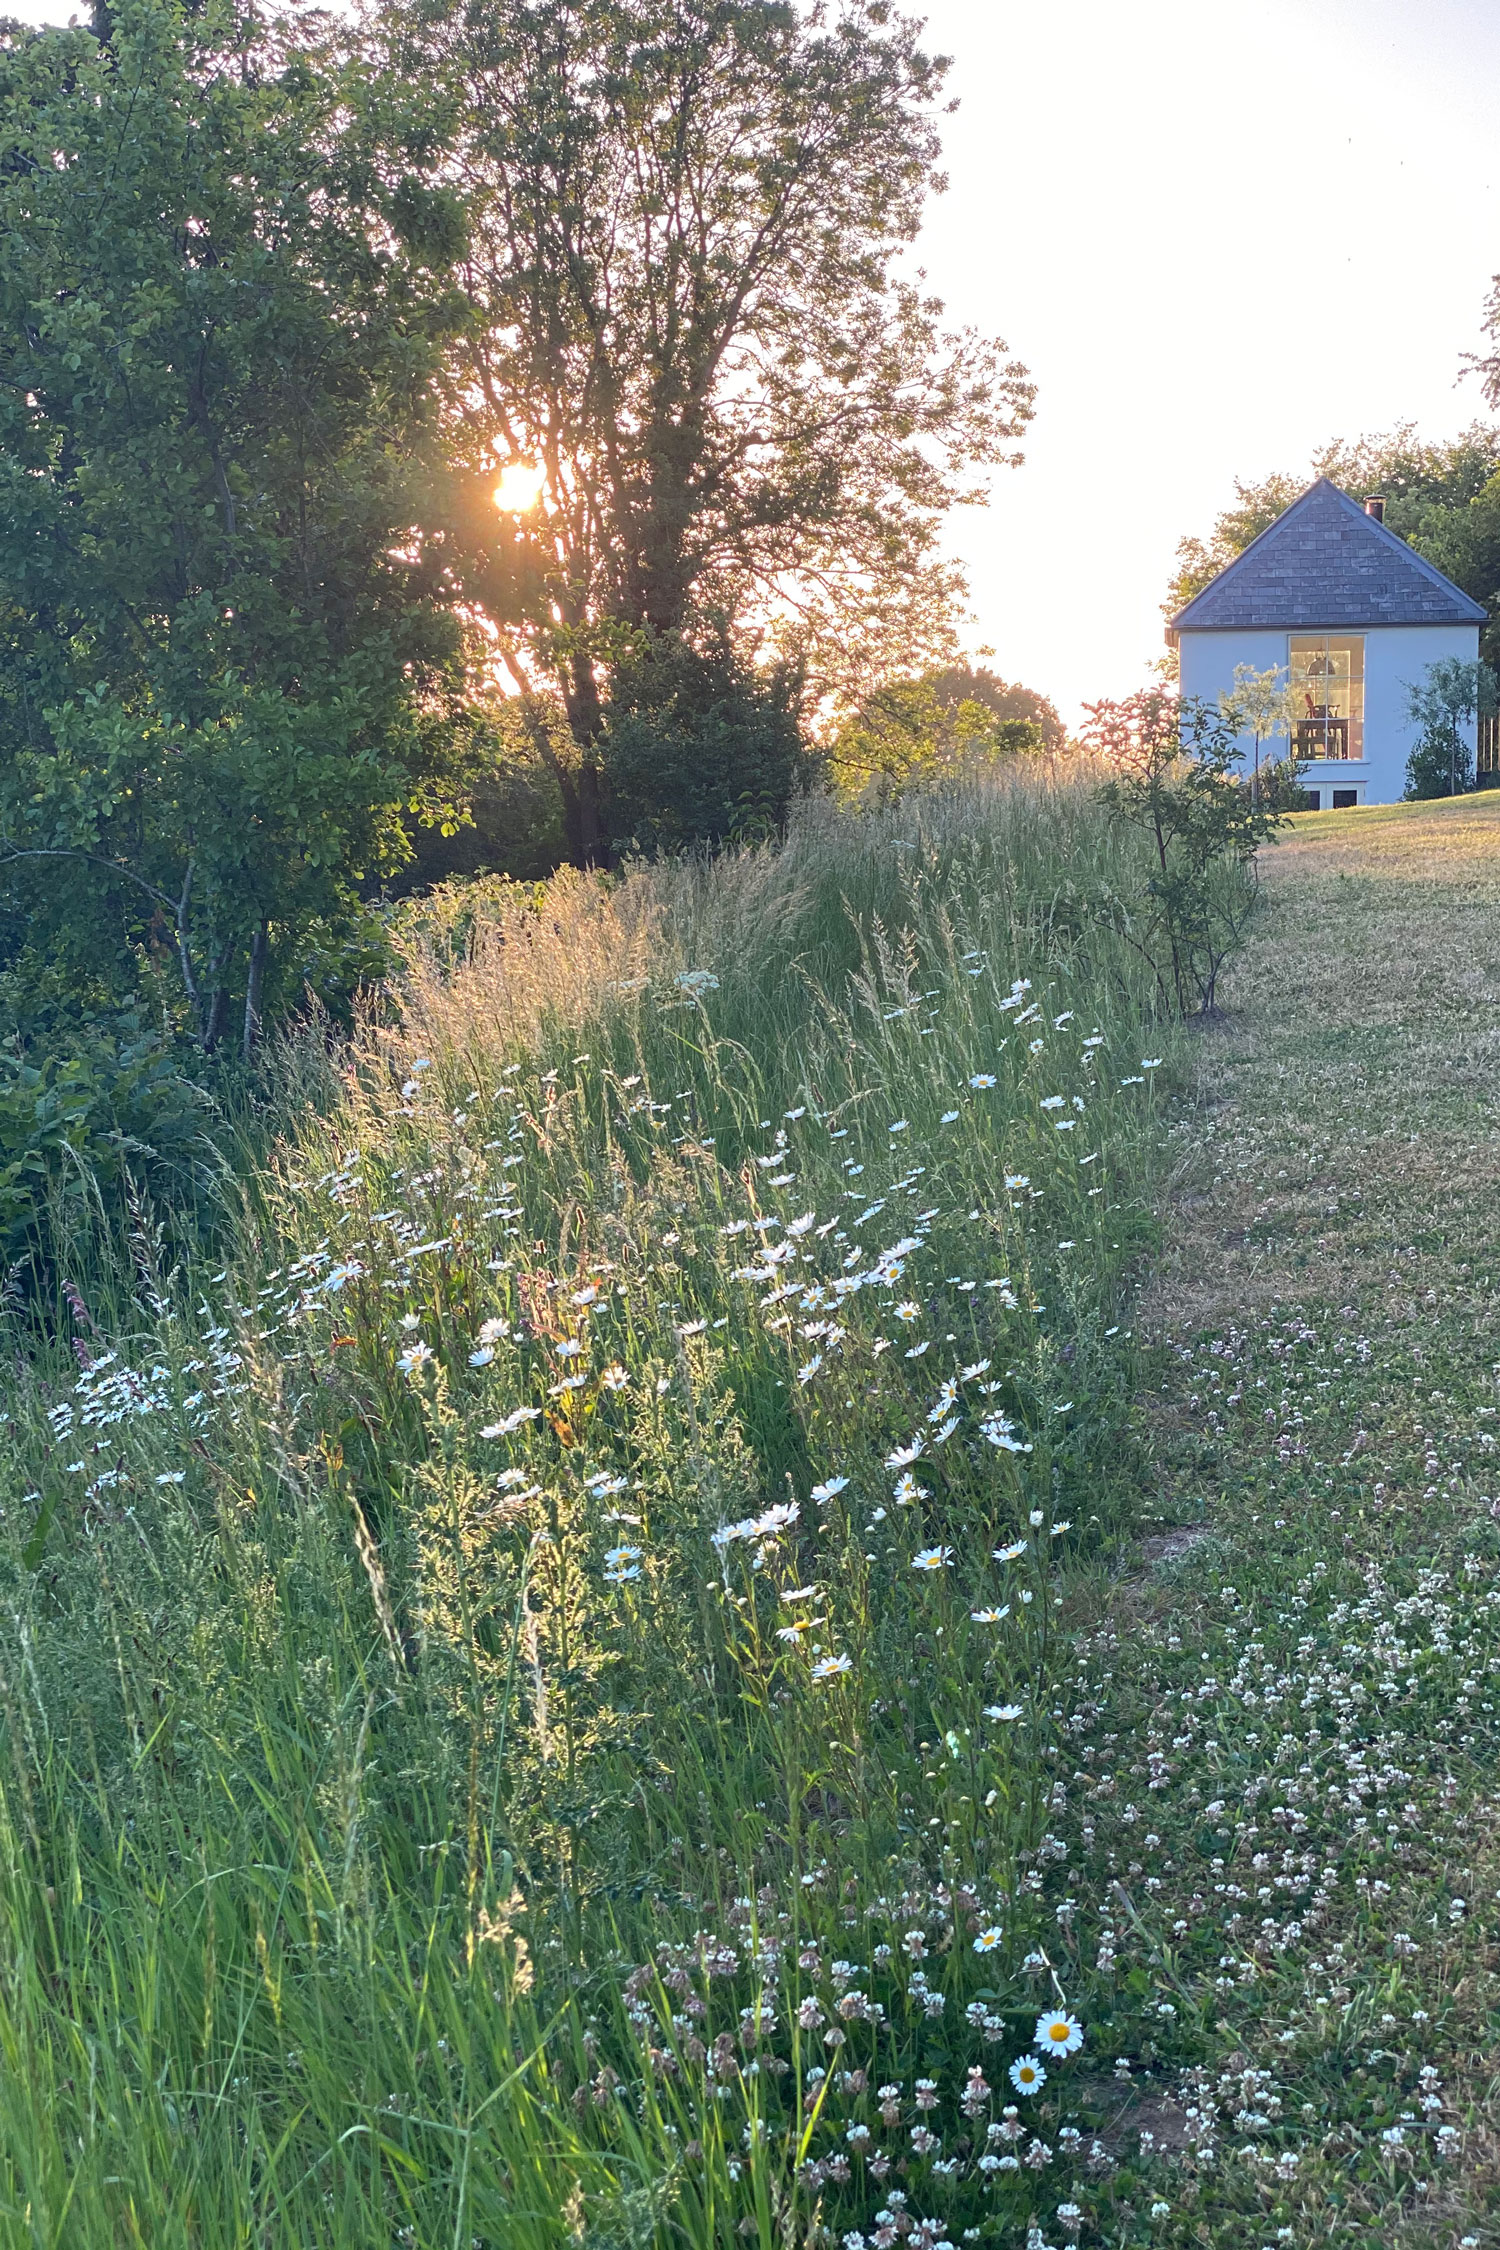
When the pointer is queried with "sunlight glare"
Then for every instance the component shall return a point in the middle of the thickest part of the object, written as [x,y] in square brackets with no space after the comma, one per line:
[520,487]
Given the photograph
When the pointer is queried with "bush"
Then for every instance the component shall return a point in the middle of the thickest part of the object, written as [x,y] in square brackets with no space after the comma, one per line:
[1441,704]
[699,748]
[86,1132]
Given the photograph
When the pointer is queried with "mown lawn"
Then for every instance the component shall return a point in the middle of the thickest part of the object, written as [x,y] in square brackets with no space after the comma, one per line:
[1283,1805]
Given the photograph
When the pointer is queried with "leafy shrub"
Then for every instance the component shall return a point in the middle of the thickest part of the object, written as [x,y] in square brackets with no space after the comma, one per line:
[699,748]
[1175,781]
[85,1129]
[1441,704]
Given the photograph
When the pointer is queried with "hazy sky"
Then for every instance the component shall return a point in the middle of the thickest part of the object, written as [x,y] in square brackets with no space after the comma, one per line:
[1220,233]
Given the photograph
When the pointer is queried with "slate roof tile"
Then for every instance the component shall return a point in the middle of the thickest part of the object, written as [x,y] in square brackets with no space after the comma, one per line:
[1324,564]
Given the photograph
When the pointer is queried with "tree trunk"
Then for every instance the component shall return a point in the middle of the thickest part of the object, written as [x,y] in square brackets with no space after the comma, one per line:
[253,983]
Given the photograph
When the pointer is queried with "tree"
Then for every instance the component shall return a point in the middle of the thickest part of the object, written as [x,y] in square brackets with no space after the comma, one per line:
[1449,695]
[225,659]
[913,730]
[1260,704]
[964,683]
[691,322]
[1440,498]
[698,748]
[1175,781]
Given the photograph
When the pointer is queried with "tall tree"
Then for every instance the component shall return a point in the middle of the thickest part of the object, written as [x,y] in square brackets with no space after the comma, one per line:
[692,316]
[223,655]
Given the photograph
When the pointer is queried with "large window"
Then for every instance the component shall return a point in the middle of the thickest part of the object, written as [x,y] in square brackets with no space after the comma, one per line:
[1328,692]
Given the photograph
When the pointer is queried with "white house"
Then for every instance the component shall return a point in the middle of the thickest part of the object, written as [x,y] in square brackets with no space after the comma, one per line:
[1350,616]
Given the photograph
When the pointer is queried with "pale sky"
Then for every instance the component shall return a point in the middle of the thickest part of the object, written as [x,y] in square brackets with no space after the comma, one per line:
[1219,233]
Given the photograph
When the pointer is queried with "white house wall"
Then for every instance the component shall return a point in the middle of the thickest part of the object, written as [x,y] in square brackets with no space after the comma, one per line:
[1395,656]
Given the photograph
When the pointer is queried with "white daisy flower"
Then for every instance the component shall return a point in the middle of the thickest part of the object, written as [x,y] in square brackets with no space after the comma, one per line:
[1026,2076]
[1059,2033]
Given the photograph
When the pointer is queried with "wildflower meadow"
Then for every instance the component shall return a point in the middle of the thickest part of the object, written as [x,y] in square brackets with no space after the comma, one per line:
[531,1689]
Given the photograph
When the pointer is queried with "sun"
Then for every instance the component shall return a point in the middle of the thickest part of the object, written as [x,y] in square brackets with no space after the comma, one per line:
[520,487]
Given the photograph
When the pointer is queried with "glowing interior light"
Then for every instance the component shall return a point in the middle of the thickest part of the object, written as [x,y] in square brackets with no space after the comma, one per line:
[520,487]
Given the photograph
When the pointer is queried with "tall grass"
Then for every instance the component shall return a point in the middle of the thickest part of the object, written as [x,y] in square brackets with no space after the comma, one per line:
[528,1693]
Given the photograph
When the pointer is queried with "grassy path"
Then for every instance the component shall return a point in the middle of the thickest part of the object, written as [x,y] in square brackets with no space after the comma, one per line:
[1283,1813]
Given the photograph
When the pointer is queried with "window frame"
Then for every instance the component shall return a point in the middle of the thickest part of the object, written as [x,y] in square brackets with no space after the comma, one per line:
[1350,721]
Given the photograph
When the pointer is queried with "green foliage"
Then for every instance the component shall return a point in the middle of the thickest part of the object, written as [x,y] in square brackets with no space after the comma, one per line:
[1260,704]
[515,765]
[1447,699]
[916,732]
[957,684]
[685,266]
[223,666]
[1177,781]
[90,1138]
[698,748]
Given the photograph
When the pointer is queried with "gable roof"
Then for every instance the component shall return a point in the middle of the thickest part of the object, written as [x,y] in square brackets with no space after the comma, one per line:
[1324,565]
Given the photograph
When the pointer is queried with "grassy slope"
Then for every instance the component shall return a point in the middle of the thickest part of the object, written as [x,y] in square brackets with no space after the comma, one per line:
[414,1827]
[1299,1689]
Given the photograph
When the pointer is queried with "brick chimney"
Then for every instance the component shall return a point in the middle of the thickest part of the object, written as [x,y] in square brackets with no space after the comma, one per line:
[1375,508]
